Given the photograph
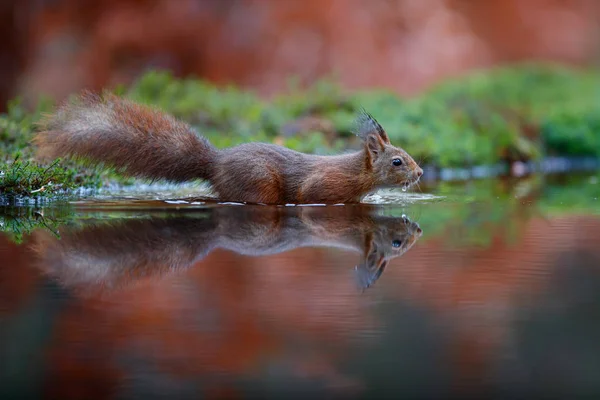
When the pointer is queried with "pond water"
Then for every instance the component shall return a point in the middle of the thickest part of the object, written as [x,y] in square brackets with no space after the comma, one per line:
[486,288]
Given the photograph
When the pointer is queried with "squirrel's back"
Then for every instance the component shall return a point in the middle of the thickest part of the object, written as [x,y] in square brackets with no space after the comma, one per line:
[138,140]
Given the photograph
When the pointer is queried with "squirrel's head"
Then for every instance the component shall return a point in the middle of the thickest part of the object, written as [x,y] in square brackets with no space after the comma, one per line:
[393,236]
[391,165]
[390,239]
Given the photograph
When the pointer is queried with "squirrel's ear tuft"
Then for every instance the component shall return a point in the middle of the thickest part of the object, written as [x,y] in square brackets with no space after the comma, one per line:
[366,126]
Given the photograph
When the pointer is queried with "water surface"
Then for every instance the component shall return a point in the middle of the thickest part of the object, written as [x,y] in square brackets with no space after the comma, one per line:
[486,288]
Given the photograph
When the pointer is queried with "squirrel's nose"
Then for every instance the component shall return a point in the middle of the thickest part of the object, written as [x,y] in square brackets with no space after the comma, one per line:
[419,172]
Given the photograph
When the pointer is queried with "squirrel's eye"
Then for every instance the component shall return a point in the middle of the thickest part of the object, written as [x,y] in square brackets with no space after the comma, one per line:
[397,162]
[397,243]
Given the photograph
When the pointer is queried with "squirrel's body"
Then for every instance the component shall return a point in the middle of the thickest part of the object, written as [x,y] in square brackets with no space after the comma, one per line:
[277,175]
[144,142]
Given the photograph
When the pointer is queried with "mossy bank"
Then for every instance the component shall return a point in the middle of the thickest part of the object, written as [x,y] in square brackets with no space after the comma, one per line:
[516,113]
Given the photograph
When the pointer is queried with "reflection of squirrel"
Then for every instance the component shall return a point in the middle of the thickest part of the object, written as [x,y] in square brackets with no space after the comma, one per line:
[144,142]
[114,254]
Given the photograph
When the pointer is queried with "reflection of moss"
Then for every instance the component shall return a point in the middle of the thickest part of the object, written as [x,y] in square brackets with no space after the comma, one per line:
[486,117]
[580,197]
[469,213]
[19,222]
[475,212]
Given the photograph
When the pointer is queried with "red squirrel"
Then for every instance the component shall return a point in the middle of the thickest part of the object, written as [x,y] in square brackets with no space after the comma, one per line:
[142,141]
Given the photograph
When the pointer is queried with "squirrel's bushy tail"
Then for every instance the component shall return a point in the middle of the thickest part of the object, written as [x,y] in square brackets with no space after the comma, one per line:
[136,140]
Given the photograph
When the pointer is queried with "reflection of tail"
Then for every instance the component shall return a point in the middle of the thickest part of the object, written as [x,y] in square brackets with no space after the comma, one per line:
[113,254]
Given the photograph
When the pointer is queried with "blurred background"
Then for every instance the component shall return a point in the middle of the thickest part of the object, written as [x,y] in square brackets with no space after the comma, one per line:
[501,291]
[56,47]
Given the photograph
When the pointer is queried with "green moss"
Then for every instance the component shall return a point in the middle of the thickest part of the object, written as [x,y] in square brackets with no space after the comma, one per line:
[27,179]
[504,114]
[485,117]
[537,109]
[20,175]
[16,127]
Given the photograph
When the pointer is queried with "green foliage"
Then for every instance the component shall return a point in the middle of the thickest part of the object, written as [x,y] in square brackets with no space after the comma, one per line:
[554,106]
[16,127]
[227,115]
[503,114]
[20,175]
[486,117]
[29,179]
[571,134]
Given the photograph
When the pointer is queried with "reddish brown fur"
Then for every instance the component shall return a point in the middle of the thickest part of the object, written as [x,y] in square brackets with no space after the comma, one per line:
[347,178]
[144,142]
[140,141]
